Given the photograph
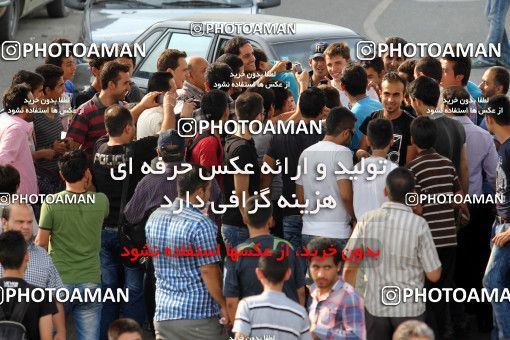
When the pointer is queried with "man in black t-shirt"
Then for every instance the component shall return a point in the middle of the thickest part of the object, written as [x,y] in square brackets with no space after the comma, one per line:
[14,260]
[392,95]
[115,164]
[240,280]
[240,150]
[312,105]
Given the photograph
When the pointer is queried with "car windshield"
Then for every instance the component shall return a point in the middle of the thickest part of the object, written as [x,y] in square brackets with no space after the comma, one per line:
[299,51]
[175,3]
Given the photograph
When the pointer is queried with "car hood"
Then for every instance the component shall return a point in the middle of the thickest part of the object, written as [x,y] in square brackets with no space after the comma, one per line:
[124,25]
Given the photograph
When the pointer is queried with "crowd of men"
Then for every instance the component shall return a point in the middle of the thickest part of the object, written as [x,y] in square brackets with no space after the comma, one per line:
[259,269]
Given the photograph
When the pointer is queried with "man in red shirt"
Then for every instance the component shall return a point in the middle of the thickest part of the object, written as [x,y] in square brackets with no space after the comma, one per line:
[206,148]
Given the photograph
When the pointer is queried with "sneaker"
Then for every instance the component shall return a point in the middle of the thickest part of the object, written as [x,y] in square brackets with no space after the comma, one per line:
[481,63]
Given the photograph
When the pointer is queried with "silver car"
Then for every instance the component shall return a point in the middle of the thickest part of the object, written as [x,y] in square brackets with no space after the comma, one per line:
[180,33]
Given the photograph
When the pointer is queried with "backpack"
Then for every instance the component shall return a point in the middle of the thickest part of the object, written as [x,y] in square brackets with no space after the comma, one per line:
[12,328]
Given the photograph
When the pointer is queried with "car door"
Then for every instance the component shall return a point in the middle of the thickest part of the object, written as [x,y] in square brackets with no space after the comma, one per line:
[172,38]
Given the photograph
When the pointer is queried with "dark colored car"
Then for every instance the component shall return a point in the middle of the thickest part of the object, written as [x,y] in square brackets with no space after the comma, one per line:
[13,10]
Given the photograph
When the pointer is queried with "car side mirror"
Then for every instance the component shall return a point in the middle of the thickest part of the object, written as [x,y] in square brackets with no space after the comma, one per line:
[268,3]
[76,4]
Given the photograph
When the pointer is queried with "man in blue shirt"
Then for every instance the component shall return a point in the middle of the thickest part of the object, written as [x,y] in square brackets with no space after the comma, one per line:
[189,298]
[354,82]
[497,274]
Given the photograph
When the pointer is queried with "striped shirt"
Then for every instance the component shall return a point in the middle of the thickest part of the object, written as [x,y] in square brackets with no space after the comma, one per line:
[47,131]
[407,252]
[340,315]
[271,315]
[181,293]
[435,175]
[87,124]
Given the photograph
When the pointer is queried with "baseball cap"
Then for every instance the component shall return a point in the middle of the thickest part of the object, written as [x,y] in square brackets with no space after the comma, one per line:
[170,137]
[318,48]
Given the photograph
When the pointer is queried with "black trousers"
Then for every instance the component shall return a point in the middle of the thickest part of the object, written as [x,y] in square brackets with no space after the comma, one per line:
[438,315]
[382,328]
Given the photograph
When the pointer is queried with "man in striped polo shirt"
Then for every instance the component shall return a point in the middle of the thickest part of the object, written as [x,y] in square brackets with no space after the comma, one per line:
[271,314]
[87,124]
[407,256]
[436,176]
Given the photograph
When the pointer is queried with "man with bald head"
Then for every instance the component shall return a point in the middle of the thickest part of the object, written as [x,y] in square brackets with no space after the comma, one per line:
[193,88]
[40,270]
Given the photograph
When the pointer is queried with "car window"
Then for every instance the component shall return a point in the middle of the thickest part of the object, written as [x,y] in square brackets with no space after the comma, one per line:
[299,51]
[149,64]
[148,42]
[194,46]
[221,44]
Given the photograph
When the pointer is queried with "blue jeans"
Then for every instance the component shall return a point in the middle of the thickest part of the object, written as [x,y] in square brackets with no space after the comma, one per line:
[234,235]
[86,315]
[292,227]
[115,275]
[496,11]
[497,276]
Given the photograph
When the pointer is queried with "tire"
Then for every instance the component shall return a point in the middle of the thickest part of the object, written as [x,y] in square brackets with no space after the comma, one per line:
[57,9]
[9,21]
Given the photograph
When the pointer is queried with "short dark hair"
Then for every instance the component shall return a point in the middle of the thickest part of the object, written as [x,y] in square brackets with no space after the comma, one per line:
[53,51]
[430,67]
[234,45]
[273,267]
[322,244]
[158,81]
[424,132]
[260,56]
[501,77]
[267,96]
[379,133]
[462,65]
[259,218]
[169,58]
[15,97]
[13,248]
[213,105]
[339,119]
[425,89]
[377,64]
[191,180]
[407,67]
[394,77]
[116,118]
[497,103]
[110,72]
[312,102]
[231,60]
[98,62]
[32,79]
[249,105]
[355,79]
[73,165]
[9,179]
[396,42]
[218,73]
[130,55]
[332,95]
[121,326]
[459,106]
[281,94]
[399,182]
[51,74]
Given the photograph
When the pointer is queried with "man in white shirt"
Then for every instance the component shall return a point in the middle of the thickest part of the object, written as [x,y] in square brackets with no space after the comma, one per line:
[368,184]
[322,160]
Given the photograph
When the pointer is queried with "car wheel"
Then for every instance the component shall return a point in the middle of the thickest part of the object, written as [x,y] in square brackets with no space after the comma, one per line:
[57,9]
[9,21]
